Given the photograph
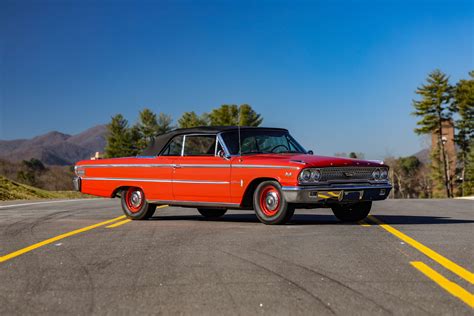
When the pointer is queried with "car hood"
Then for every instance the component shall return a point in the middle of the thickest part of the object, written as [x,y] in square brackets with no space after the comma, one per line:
[306,160]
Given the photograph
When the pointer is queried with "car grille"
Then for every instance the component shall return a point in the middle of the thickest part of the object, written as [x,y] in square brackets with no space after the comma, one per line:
[346,174]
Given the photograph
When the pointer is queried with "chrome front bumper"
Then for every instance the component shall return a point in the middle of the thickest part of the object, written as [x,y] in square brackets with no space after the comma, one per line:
[336,193]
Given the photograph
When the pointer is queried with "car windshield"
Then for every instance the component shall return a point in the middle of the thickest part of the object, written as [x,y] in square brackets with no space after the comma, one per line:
[261,142]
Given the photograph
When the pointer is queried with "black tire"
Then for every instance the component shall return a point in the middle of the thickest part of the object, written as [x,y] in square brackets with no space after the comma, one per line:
[136,209]
[266,195]
[212,212]
[352,212]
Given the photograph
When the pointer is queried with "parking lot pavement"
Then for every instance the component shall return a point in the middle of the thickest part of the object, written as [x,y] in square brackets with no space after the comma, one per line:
[84,257]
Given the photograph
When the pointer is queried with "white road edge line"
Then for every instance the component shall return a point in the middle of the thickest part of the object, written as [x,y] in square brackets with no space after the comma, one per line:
[47,202]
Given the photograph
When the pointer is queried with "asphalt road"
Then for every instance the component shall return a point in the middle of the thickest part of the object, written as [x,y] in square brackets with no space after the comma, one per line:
[181,263]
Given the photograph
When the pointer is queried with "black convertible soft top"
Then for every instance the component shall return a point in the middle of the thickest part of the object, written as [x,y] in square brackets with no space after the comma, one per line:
[160,141]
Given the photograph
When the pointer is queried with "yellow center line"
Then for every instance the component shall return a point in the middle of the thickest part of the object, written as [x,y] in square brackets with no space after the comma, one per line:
[119,223]
[54,239]
[445,262]
[129,220]
[363,223]
[451,287]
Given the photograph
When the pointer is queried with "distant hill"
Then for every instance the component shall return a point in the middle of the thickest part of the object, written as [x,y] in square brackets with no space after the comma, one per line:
[55,148]
[423,156]
[11,190]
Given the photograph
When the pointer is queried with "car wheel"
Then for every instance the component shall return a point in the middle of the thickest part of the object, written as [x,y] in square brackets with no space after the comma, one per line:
[270,206]
[134,204]
[212,212]
[352,212]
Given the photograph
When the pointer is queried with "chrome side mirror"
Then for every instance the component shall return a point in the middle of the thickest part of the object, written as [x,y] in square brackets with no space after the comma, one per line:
[310,152]
[222,154]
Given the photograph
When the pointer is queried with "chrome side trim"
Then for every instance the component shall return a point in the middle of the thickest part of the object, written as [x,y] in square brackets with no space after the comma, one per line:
[266,167]
[205,165]
[194,203]
[126,179]
[200,182]
[157,180]
[149,165]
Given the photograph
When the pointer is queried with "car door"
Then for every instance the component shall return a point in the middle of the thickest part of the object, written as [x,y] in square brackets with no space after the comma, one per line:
[160,173]
[199,174]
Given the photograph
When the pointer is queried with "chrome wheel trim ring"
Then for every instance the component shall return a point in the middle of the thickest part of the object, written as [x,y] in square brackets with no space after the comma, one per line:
[136,198]
[271,200]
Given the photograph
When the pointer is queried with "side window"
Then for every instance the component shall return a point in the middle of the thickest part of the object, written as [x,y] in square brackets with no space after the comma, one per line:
[200,145]
[249,145]
[174,147]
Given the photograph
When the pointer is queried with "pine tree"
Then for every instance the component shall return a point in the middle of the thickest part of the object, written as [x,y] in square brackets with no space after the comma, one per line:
[191,119]
[231,115]
[225,115]
[148,124]
[137,142]
[464,105]
[120,142]
[248,117]
[433,108]
[468,184]
[164,123]
[147,127]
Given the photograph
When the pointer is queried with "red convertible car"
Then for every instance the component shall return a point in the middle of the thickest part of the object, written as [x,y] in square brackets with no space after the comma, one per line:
[215,169]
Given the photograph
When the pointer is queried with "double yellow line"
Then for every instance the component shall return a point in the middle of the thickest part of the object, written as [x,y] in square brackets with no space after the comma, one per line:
[54,239]
[114,222]
[451,287]
[129,220]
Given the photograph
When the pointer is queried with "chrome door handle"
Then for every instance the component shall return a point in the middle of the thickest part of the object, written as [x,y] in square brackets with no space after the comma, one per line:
[176,166]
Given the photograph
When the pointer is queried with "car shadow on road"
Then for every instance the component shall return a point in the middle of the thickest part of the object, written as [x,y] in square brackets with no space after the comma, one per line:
[420,220]
[298,219]
[317,219]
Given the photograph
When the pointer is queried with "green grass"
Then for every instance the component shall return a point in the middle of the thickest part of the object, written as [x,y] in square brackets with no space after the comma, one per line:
[11,190]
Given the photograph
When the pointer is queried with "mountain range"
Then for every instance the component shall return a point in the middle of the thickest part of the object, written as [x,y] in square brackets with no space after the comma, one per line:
[55,148]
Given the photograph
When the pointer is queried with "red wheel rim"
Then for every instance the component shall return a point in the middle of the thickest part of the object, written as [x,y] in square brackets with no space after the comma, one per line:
[270,200]
[134,199]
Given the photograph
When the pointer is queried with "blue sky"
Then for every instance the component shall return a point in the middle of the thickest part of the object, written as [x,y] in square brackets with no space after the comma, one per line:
[339,74]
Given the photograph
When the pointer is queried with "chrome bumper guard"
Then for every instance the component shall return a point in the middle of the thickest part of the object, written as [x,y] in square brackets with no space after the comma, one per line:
[76,181]
[336,193]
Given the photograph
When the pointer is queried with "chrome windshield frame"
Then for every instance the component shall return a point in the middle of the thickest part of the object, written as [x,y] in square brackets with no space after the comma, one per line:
[228,154]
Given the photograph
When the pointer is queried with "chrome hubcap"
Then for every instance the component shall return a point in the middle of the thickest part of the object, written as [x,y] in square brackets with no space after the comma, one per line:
[271,201]
[136,198]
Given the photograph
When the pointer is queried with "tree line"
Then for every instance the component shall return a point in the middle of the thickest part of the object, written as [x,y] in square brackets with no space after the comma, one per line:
[440,102]
[126,140]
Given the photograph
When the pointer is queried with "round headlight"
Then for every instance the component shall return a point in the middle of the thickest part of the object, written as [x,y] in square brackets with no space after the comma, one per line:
[384,174]
[305,175]
[316,174]
[376,174]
